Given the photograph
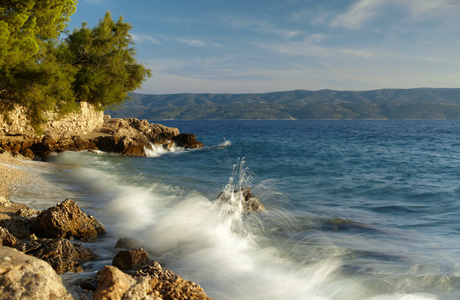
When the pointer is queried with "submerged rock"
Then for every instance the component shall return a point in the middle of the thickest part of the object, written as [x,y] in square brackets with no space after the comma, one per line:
[244,197]
[25,277]
[66,220]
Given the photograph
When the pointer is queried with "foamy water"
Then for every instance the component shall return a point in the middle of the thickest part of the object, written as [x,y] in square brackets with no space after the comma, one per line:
[318,239]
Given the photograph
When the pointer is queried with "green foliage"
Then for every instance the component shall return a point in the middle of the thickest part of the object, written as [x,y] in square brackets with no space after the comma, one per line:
[41,74]
[107,69]
[30,75]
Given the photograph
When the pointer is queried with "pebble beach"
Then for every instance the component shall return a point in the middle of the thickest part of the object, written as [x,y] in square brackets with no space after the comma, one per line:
[11,179]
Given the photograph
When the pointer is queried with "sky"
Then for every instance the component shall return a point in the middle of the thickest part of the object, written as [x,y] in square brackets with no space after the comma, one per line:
[255,46]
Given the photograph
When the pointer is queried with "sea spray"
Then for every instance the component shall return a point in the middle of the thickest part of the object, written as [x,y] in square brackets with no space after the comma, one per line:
[364,210]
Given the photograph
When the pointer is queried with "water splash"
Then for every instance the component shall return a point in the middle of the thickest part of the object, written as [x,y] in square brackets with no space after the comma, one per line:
[159,150]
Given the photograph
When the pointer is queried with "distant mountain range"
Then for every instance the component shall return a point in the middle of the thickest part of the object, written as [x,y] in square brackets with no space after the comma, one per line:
[420,103]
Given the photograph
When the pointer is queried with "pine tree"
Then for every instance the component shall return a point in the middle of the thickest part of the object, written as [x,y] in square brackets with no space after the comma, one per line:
[105,59]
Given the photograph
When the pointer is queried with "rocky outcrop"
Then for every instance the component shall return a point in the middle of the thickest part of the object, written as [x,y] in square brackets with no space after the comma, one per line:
[25,277]
[125,136]
[243,196]
[131,259]
[61,254]
[66,220]
[151,282]
[73,124]
[187,140]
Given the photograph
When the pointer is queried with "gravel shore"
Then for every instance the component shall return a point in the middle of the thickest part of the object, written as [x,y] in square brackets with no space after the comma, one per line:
[10,178]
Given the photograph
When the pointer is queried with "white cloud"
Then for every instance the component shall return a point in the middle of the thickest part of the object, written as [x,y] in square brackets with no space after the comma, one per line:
[260,26]
[193,43]
[364,11]
[143,38]
[359,14]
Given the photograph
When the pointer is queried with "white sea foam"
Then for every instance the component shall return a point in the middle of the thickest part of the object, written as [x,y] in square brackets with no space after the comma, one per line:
[232,255]
[159,150]
[225,143]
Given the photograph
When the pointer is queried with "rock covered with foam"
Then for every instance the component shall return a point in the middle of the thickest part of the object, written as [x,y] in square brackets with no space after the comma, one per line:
[244,197]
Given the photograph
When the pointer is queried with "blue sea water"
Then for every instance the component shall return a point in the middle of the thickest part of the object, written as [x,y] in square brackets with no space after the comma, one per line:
[354,209]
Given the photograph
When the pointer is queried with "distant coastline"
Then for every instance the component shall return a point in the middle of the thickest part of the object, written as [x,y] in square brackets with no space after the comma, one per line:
[384,104]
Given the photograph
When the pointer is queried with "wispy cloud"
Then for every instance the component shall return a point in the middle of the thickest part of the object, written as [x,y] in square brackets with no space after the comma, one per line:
[260,26]
[362,12]
[193,43]
[144,38]
[358,14]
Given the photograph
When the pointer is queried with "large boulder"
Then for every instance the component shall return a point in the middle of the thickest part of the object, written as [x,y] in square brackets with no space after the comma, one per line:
[131,259]
[28,278]
[66,220]
[113,284]
[61,254]
[151,282]
[168,285]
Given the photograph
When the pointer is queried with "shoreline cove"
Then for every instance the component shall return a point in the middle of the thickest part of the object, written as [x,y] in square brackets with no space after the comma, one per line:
[20,180]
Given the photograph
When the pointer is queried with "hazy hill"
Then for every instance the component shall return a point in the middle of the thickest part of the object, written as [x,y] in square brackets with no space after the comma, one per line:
[422,103]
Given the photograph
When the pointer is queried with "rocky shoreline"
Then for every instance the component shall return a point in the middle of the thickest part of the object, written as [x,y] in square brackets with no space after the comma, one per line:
[37,246]
[128,136]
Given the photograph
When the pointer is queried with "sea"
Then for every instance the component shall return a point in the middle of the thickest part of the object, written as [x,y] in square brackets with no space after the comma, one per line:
[362,209]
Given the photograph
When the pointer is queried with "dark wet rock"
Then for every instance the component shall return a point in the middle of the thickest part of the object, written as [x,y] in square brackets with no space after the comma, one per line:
[244,195]
[128,243]
[187,140]
[25,277]
[131,259]
[89,284]
[66,220]
[6,238]
[20,227]
[61,254]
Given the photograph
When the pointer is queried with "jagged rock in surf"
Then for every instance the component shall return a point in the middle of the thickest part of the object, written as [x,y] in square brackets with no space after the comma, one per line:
[61,254]
[187,140]
[128,243]
[244,196]
[66,220]
[134,259]
[26,277]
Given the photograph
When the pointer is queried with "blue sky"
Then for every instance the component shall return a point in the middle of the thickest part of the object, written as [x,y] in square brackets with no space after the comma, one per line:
[241,46]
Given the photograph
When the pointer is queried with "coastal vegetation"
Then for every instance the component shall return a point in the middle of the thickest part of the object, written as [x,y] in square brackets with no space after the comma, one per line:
[43,68]
[422,103]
